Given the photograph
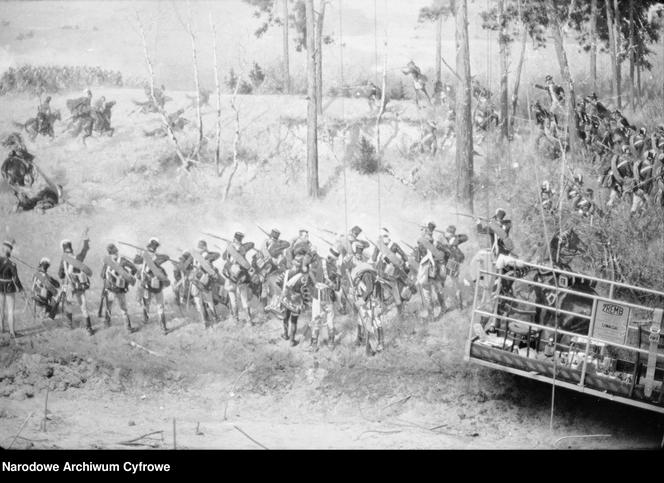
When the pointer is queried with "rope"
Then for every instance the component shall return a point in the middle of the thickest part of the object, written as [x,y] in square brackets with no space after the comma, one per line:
[343,112]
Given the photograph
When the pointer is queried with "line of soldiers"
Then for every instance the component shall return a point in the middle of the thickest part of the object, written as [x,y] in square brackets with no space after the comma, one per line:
[287,278]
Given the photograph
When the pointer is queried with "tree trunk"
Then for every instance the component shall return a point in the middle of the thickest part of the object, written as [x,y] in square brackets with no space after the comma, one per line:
[319,56]
[217,86]
[286,67]
[517,79]
[617,38]
[593,43]
[199,115]
[312,94]
[632,57]
[612,50]
[557,36]
[504,96]
[464,127]
[439,53]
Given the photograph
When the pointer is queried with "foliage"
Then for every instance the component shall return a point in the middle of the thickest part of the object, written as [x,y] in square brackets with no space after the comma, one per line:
[38,79]
[256,75]
[366,160]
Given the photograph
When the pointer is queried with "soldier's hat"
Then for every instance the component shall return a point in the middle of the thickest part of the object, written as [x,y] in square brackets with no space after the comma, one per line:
[303,230]
[548,77]
[202,245]
[384,232]
[451,229]
[8,244]
[153,243]
[44,261]
[111,248]
[238,236]
[66,244]
[357,247]
[500,213]
[356,230]
[275,233]
[431,226]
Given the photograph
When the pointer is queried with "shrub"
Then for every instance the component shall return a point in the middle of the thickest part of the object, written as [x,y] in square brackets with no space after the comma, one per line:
[257,76]
[366,160]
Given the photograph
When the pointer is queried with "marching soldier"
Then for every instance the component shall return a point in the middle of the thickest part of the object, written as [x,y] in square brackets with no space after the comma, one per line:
[118,274]
[45,290]
[153,281]
[391,262]
[273,252]
[498,229]
[75,280]
[547,194]
[300,246]
[292,297]
[202,279]
[238,272]
[457,257]
[181,272]
[10,284]
[432,258]
[328,283]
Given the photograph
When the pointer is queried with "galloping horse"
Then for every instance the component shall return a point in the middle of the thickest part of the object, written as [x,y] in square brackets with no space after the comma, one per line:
[99,122]
[30,126]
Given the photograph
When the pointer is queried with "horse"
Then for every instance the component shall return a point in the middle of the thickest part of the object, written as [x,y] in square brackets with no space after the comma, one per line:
[99,122]
[30,126]
[17,171]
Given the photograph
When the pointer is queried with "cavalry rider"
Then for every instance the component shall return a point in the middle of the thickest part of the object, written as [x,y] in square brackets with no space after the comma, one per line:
[432,258]
[182,286]
[498,229]
[328,283]
[238,271]
[453,240]
[45,290]
[74,276]
[202,279]
[10,284]
[292,297]
[275,262]
[153,280]
[43,116]
[391,262]
[118,274]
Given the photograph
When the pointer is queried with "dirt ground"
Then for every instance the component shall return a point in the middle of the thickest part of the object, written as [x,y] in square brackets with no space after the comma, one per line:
[242,387]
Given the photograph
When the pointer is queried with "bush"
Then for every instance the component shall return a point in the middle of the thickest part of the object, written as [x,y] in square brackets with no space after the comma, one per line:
[366,160]
[257,76]
[38,79]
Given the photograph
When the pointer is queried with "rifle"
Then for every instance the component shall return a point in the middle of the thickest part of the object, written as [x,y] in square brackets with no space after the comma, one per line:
[323,239]
[217,237]
[261,229]
[103,302]
[424,226]
[475,217]
[328,231]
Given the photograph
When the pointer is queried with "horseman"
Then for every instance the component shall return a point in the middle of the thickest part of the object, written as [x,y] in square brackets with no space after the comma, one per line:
[456,258]
[153,280]
[391,262]
[118,274]
[44,125]
[498,228]
[432,256]
[202,280]
[75,280]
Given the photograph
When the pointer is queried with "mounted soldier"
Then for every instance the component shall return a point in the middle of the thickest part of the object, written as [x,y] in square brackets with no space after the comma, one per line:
[153,280]
[238,272]
[118,273]
[202,278]
[75,276]
[45,290]
[10,285]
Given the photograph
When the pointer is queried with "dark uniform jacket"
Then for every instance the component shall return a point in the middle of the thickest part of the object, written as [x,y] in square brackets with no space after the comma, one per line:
[62,274]
[9,281]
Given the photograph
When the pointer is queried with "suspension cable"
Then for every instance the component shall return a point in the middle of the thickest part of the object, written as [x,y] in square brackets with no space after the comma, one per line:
[343,112]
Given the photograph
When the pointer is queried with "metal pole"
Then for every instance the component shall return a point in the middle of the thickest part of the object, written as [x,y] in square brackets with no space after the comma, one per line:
[472,323]
[590,333]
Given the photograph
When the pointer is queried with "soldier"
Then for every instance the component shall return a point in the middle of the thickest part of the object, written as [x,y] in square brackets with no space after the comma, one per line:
[555,92]
[43,116]
[202,279]
[292,297]
[181,272]
[457,257]
[328,283]
[74,276]
[300,246]
[238,272]
[391,262]
[275,263]
[432,257]
[153,281]
[45,290]
[118,274]
[498,229]
[10,284]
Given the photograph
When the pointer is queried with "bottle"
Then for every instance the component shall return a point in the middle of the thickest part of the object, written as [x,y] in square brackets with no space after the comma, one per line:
[549,348]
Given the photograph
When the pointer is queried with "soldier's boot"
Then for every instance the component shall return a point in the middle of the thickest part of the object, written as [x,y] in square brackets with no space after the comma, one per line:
[285,334]
[293,341]
[359,338]
[162,320]
[88,325]
[70,320]
[146,316]
[313,343]
[379,347]
[128,326]
[330,339]
[107,320]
